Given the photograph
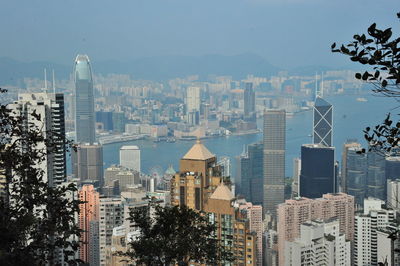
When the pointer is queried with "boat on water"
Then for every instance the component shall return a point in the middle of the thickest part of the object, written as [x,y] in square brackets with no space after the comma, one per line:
[361,99]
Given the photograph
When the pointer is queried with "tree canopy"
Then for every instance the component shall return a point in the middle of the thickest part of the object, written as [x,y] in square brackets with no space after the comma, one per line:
[174,235]
[379,50]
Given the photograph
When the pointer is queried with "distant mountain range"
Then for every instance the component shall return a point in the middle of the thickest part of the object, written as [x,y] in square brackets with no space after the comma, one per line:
[159,68]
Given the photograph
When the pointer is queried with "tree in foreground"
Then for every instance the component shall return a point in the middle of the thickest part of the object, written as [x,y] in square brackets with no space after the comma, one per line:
[174,235]
[379,51]
[37,221]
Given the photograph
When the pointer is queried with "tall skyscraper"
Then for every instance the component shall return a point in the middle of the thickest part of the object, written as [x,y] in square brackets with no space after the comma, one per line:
[129,157]
[356,174]
[87,163]
[322,126]
[84,101]
[88,214]
[295,212]
[274,159]
[392,167]
[343,178]
[193,99]
[296,177]
[393,194]
[317,170]
[376,179]
[50,108]
[249,102]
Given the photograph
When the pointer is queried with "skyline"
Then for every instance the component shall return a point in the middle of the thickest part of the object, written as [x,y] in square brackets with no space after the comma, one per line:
[302,30]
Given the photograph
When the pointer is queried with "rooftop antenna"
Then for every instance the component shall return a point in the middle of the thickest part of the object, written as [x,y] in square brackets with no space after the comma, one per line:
[45,80]
[54,83]
[316,85]
[322,85]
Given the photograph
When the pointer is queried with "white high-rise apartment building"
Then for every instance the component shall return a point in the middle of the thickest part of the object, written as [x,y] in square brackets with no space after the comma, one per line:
[129,157]
[49,107]
[367,224]
[320,243]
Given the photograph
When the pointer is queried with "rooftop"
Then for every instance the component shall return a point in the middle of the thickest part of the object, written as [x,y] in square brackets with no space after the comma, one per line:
[222,192]
[133,147]
[198,152]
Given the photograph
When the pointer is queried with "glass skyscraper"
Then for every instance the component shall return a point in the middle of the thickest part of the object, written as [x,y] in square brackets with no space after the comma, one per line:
[84,101]
[322,127]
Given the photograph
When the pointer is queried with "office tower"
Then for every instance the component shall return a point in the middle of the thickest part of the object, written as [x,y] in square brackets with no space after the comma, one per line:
[296,177]
[111,215]
[225,163]
[242,180]
[343,177]
[274,159]
[50,109]
[126,177]
[249,102]
[319,243]
[295,212]
[356,174]
[118,121]
[129,157]
[392,167]
[88,213]
[84,101]
[376,180]
[233,231]
[393,194]
[322,126]
[197,178]
[87,163]
[254,216]
[317,170]
[367,224]
[256,155]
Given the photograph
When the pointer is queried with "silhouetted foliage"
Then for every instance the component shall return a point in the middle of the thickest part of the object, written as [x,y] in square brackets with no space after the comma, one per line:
[173,235]
[37,221]
[380,50]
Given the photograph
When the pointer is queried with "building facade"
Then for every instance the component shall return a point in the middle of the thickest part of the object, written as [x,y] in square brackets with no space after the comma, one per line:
[323,122]
[274,159]
[129,157]
[87,163]
[318,175]
[46,112]
[295,212]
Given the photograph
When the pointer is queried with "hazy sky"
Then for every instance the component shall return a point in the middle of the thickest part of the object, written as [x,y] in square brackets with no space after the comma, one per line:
[286,32]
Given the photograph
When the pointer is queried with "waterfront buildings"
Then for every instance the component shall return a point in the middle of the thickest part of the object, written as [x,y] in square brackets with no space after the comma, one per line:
[84,101]
[88,223]
[46,112]
[319,243]
[87,163]
[274,159]
[129,157]
[295,212]
[367,224]
[322,124]
[318,175]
